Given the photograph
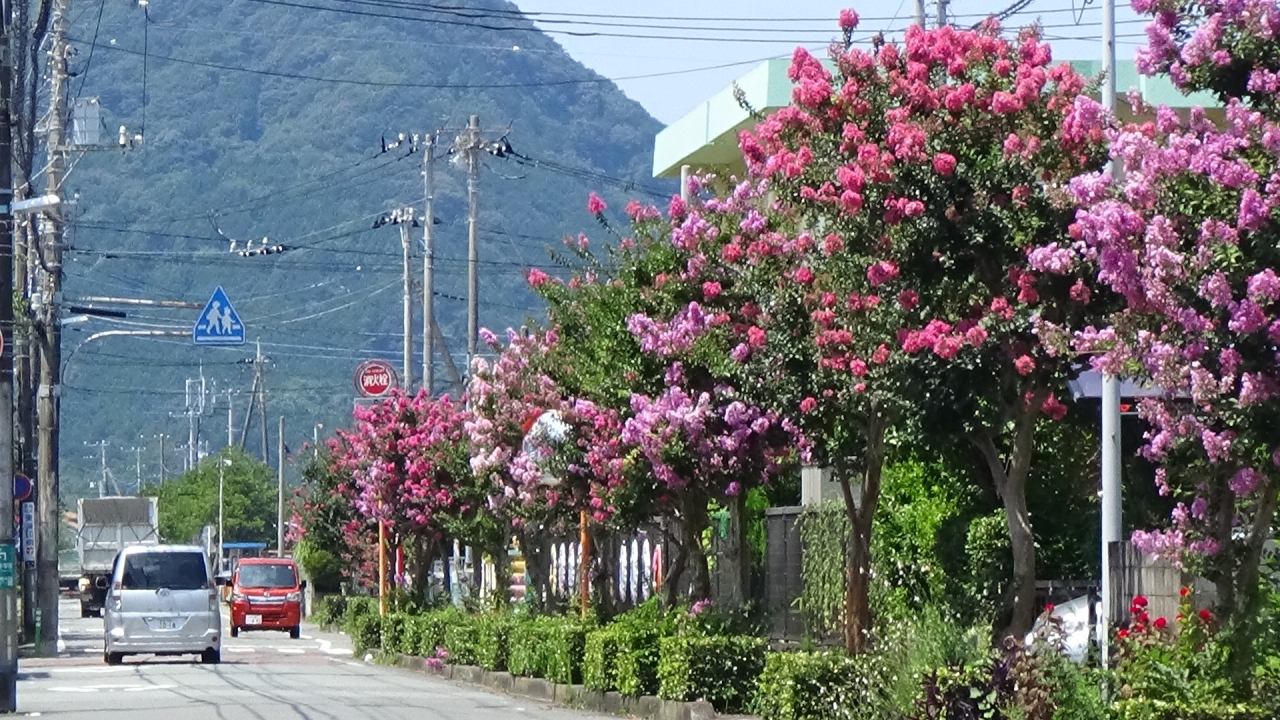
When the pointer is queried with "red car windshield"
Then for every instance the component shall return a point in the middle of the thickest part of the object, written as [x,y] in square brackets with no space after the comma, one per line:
[267,576]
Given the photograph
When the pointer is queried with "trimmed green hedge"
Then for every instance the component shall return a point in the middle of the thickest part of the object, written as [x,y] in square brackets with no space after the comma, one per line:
[636,666]
[526,647]
[566,639]
[365,630]
[492,640]
[722,670]
[331,611]
[460,640]
[817,686]
[599,660]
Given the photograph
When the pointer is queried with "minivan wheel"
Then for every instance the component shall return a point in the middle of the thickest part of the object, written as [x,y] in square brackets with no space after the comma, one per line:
[112,658]
[295,632]
[235,631]
[211,656]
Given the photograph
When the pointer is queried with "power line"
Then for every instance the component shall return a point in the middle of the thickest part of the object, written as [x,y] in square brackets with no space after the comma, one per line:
[431,86]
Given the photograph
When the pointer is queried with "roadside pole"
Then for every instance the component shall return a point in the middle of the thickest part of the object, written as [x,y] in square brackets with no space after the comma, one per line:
[9,620]
[280,499]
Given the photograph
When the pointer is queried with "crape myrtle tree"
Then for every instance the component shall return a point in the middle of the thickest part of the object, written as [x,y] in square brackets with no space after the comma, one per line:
[408,458]
[538,483]
[924,174]
[648,329]
[1190,239]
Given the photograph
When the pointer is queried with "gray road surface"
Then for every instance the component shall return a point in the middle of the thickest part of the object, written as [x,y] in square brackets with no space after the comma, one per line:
[263,676]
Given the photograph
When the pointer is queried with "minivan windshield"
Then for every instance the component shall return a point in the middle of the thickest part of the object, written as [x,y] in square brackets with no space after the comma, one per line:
[274,575]
[168,570]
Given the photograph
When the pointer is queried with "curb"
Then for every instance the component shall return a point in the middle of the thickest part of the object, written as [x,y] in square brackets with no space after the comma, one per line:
[572,696]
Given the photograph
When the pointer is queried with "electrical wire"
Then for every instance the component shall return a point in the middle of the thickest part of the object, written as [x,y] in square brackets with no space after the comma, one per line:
[434,86]
[533,29]
[88,63]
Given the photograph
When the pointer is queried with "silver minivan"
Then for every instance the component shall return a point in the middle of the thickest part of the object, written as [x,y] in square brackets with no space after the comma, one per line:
[163,601]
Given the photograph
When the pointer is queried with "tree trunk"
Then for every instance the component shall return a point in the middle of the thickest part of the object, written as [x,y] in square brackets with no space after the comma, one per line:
[861,510]
[604,584]
[446,560]
[537,565]
[421,555]
[1011,485]
[1248,581]
[700,588]
[736,555]
[674,571]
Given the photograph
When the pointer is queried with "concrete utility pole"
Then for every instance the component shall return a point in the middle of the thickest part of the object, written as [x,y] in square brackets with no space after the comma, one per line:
[406,244]
[262,412]
[472,147]
[9,619]
[49,335]
[139,452]
[1111,516]
[428,264]
[280,499]
[942,13]
[230,422]
[162,436]
[920,13]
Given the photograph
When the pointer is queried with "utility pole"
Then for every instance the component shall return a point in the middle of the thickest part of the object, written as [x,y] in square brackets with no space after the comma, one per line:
[406,243]
[230,422]
[262,408]
[162,458]
[280,498]
[139,451]
[920,13]
[1112,521]
[942,13]
[470,142]
[49,333]
[8,597]
[428,264]
[253,395]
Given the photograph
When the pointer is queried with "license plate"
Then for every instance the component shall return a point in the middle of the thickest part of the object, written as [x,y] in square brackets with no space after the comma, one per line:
[252,619]
[162,623]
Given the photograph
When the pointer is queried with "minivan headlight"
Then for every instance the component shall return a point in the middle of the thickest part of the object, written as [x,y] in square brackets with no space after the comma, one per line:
[295,596]
[238,597]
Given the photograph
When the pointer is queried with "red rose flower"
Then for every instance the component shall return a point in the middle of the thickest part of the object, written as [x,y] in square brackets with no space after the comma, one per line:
[1161,623]
[1206,616]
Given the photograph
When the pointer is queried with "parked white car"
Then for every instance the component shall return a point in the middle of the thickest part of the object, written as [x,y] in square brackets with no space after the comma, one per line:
[163,601]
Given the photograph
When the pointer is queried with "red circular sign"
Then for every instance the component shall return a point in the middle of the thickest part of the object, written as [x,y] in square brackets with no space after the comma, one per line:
[375,378]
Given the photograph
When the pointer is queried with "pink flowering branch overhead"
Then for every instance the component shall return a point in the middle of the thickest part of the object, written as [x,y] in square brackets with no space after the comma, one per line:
[1189,240]
[935,172]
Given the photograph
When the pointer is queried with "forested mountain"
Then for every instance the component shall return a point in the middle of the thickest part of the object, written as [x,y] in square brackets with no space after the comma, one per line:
[243,142]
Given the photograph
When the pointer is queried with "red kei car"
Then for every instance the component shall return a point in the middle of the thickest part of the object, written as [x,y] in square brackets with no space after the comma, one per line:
[266,594]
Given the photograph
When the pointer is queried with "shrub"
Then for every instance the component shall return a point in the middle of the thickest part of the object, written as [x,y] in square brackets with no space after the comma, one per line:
[720,669]
[395,638]
[526,651]
[822,686]
[636,664]
[365,630]
[460,640]
[331,611]
[492,640]
[565,639]
[599,660]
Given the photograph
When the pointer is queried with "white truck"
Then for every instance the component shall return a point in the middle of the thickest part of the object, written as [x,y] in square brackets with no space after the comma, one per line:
[104,527]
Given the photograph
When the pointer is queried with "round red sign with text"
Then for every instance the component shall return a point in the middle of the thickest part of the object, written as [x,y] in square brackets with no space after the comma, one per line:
[375,378]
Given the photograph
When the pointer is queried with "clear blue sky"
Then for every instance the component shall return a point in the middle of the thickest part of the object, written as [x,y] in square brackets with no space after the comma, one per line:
[784,24]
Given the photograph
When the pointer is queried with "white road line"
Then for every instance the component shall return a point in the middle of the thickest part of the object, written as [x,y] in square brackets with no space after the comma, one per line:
[94,670]
[291,651]
[240,649]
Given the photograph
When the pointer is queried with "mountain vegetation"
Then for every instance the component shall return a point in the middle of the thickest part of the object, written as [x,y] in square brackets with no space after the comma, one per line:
[241,141]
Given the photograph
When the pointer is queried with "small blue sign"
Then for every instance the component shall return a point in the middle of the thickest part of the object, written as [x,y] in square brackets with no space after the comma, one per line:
[218,324]
[21,488]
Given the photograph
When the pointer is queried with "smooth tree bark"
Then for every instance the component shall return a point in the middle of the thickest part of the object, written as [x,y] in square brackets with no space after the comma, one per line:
[860,510]
[1010,480]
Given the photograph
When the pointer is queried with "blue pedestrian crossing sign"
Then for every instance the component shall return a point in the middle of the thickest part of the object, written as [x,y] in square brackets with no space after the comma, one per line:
[218,324]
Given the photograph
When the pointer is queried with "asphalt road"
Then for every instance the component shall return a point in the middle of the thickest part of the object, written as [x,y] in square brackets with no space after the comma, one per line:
[263,676]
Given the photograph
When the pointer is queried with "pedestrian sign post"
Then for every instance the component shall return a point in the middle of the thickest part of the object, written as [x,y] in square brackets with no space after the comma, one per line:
[218,323]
